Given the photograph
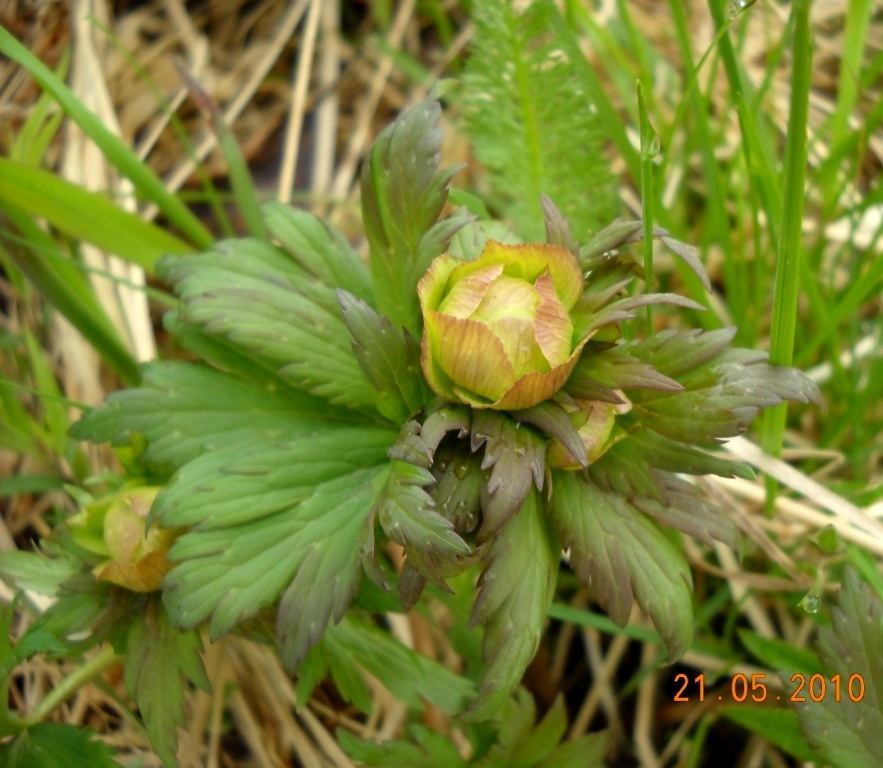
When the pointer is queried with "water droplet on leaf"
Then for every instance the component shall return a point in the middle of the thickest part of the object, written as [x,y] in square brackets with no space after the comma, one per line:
[810,603]
[735,7]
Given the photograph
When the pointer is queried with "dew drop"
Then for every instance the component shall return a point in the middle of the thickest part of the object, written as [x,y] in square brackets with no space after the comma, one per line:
[810,603]
[735,7]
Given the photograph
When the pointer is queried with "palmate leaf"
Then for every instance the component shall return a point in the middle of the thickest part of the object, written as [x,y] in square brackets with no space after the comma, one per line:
[402,197]
[258,297]
[408,515]
[258,514]
[320,249]
[49,745]
[431,750]
[846,733]
[516,457]
[643,469]
[159,659]
[529,113]
[524,743]
[723,388]
[625,557]
[184,410]
[515,590]
[410,676]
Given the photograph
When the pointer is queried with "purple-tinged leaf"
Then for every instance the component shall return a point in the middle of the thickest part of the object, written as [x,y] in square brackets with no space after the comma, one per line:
[517,458]
[408,515]
[402,197]
[410,446]
[557,227]
[389,357]
[617,369]
[515,590]
[322,588]
[448,418]
[690,256]
[673,353]
[552,419]
[622,555]
[687,511]
[610,238]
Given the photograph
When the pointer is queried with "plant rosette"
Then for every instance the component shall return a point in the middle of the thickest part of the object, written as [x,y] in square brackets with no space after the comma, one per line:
[479,404]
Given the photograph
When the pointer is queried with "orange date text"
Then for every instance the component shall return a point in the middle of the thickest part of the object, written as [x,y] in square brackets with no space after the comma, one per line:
[754,688]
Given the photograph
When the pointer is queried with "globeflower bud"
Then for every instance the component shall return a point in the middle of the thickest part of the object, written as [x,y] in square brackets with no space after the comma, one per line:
[594,421]
[114,529]
[497,331]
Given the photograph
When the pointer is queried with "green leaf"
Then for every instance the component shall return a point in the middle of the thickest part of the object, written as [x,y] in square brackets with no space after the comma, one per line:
[258,516]
[158,660]
[524,743]
[402,197]
[324,585]
[643,467]
[516,455]
[723,388]
[515,590]
[258,297]
[624,556]
[409,676]
[528,112]
[185,410]
[320,249]
[778,726]
[85,215]
[50,745]
[432,750]
[326,656]
[846,733]
[37,572]
[779,655]
[390,359]
[408,515]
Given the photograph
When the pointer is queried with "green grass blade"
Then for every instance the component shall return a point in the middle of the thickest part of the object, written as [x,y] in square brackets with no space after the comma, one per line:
[755,141]
[788,257]
[115,150]
[85,215]
[649,150]
[61,282]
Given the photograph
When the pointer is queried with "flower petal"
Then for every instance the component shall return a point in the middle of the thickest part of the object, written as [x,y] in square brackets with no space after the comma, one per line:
[554,329]
[467,293]
[470,354]
[528,262]
[536,387]
[432,286]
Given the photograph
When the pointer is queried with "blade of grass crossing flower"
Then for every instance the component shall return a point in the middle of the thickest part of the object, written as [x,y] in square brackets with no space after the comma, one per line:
[788,256]
[649,150]
[114,149]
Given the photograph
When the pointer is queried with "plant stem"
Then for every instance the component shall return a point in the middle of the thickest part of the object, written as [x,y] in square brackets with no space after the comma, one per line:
[105,659]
